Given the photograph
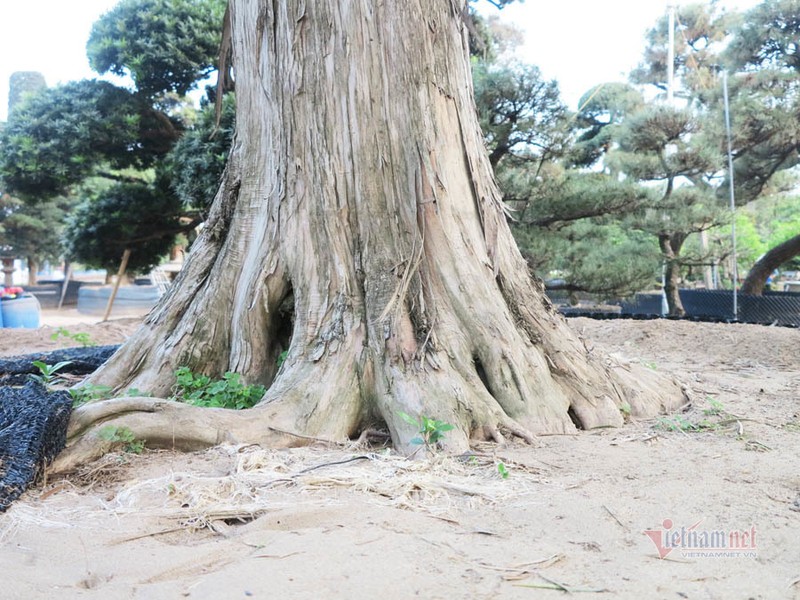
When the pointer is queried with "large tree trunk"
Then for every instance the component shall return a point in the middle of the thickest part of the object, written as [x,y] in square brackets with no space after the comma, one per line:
[359,226]
[759,273]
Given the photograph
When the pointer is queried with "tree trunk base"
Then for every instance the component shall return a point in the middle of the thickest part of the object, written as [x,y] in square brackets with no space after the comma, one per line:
[167,424]
[358,228]
[172,425]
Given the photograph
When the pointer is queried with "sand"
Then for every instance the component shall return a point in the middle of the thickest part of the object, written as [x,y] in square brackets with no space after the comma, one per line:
[572,514]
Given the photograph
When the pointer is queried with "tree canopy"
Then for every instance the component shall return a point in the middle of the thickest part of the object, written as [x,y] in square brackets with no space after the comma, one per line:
[124,216]
[33,231]
[114,149]
[634,179]
[30,230]
[194,166]
[63,135]
[164,45]
[767,37]
[521,114]
[564,220]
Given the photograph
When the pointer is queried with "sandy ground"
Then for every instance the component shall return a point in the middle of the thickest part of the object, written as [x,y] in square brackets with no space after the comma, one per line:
[57,326]
[572,513]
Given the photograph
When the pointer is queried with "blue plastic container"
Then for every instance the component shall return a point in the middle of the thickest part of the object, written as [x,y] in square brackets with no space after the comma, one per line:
[21,312]
[130,299]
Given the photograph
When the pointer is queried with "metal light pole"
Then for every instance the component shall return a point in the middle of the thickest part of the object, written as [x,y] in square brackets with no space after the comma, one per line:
[670,102]
[671,55]
[732,192]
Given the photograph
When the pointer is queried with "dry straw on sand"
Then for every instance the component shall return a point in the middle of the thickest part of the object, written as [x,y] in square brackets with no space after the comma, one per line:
[245,480]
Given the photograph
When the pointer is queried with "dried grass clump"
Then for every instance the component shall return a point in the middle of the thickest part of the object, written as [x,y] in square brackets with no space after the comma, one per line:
[233,484]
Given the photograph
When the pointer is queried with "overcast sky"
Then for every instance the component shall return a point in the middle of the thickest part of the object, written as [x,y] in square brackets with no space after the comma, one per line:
[581,43]
[578,42]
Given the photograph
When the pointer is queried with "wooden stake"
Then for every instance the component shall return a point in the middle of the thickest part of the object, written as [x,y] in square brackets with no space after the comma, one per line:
[64,287]
[122,267]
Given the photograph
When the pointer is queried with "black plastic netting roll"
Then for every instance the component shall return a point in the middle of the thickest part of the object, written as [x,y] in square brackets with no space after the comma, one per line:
[14,370]
[33,430]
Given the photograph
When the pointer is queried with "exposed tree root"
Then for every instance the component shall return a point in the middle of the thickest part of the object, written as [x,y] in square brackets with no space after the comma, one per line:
[168,424]
[162,424]
[333,402]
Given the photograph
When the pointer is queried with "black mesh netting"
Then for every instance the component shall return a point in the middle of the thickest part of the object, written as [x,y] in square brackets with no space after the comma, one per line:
[773,308]
[14,370]
[33,420]
[33,430]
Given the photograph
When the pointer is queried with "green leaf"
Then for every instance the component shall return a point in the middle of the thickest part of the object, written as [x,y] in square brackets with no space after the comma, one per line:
[282,358]
[228,392]
[501,468]
[109,433]
[409,419]
[136,392]
[58,366]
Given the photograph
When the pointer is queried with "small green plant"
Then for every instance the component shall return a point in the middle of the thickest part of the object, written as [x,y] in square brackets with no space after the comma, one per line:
[89,392]
[503,470]
[715,407]
[651,365]
[122,436]
[48,373]
[137,392]
[714,418]
[431,431]
[81,338]
[282,358]
[189,386]
[228,392]
[680,423]
[625,409]
[676,423]
[793,426]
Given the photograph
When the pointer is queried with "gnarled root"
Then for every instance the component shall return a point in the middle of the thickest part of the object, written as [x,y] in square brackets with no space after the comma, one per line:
[290,420]
[160,424]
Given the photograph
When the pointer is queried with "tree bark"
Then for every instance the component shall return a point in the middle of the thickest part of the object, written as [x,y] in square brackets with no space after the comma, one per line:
[358,225]
[670,249]
[33,270]
[759,273]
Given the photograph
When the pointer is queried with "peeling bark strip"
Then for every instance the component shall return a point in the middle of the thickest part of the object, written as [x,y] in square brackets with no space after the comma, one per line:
[359,191]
